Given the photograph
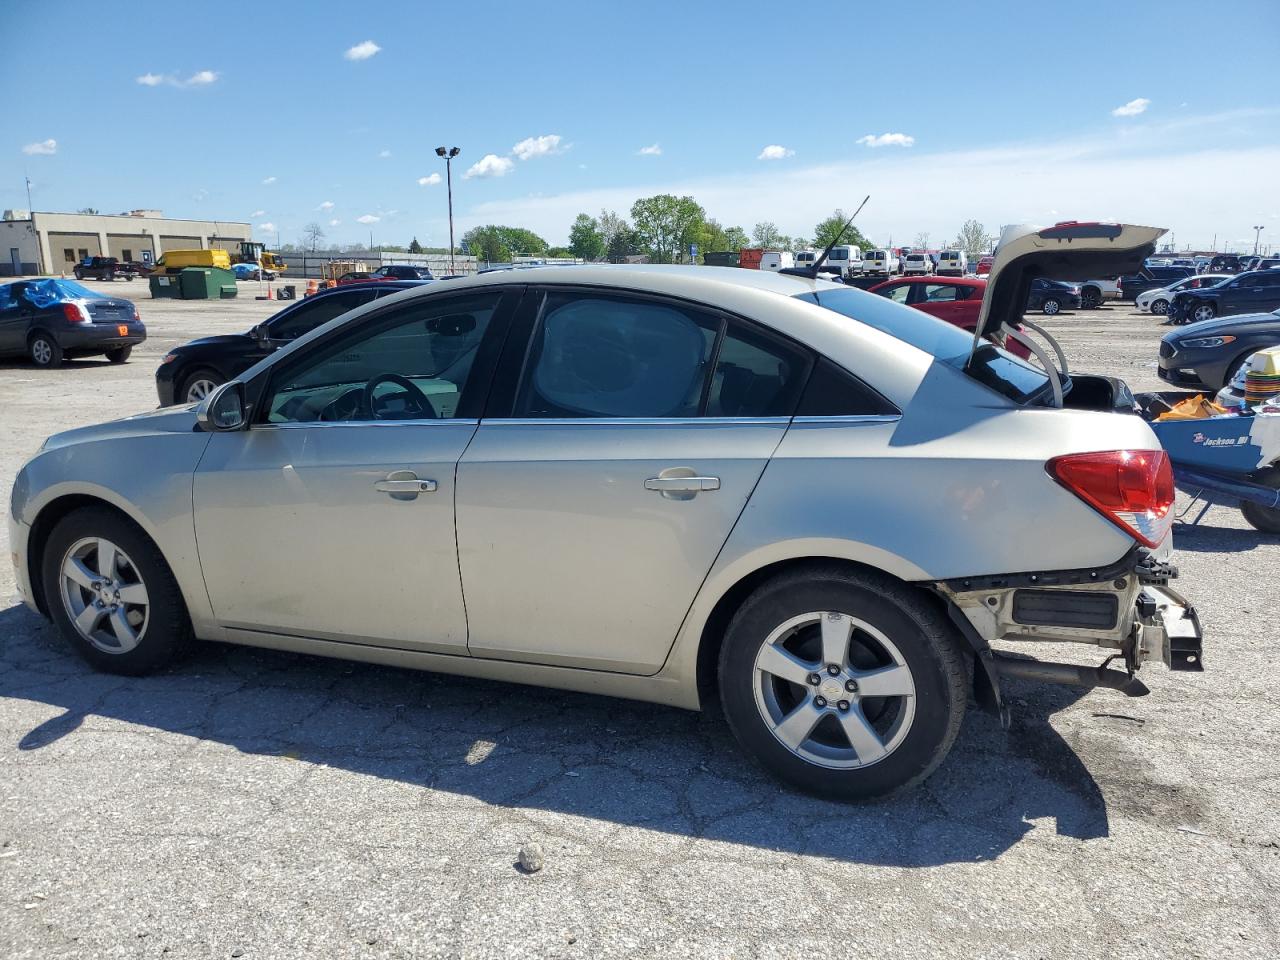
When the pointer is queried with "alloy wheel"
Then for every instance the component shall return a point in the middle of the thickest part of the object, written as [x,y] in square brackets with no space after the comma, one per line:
[104,596]
[1160,307]
[834,690]
[1202,312]
[199,389]
[1051,307]
[41,351]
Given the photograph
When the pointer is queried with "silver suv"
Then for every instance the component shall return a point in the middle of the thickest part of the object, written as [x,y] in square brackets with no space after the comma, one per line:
[657,483]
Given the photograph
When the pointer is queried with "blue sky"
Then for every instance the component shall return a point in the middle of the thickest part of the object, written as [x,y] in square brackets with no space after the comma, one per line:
[1162,113]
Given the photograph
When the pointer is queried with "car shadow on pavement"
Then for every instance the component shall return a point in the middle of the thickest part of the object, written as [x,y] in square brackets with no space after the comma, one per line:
[1204,538]
[552,755]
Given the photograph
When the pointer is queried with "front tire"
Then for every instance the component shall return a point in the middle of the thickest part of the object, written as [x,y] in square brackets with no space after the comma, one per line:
[1160,307]
[198,385]
[1203,311]
[843,683]
[1051,307]
[111,594]
[45,351]
[119,354]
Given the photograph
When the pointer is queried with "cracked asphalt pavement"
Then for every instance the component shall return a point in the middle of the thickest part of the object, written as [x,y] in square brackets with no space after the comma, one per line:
[259,804]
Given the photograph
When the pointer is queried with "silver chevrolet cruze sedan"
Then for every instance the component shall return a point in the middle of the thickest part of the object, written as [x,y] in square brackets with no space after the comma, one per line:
[823,507]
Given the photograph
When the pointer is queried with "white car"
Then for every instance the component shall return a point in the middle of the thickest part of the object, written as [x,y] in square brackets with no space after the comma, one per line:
[917,264]
[1157,301]
[663,483]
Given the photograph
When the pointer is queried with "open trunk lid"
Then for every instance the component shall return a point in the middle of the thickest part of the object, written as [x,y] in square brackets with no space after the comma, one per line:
[1066,251]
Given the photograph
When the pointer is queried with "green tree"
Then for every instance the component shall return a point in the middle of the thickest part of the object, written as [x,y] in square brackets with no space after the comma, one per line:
[498,244]
[973,239]
[666,224]
[828,229]
[585,239]
[625,243]
[610,223]
[560,252]
[735,238]
[765,234]
[415,246]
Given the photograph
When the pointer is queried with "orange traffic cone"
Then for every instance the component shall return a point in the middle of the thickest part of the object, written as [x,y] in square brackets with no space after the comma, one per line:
[269,297]
[311,287]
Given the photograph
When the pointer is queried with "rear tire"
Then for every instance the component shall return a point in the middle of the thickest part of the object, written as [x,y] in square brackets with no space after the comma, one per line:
[44,350]
[1265,519]
[874,633]
[111,594]
[1090,298]
[1051,307]
[120,354]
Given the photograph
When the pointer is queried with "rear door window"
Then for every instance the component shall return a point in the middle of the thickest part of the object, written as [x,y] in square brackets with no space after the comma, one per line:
[307,316]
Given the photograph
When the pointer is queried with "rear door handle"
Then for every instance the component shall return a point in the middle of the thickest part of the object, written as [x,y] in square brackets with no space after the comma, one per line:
[682,484]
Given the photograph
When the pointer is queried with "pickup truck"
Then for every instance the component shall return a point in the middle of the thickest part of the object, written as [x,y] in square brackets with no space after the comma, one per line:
[103,268]
[1093,292]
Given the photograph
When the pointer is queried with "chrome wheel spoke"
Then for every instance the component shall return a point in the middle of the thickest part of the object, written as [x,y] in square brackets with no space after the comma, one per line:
[783,664]
[862,736]
[106,559]
[125,634]
[77,571]
[88,618]
[133,593]
[891,681]
[798,724]
[836,629]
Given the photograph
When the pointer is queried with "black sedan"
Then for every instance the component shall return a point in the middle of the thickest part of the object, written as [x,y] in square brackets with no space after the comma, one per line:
[1245,293]
[1207,355]
[1053,296]
[190,371]
[52,320]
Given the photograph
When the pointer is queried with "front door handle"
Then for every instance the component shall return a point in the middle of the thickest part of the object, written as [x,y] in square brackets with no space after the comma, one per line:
[404,485]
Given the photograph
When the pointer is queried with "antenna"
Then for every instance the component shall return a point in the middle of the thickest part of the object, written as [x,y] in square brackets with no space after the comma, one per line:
[812,270]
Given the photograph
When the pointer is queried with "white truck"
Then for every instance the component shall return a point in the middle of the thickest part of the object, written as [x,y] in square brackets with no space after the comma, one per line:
[881,263]
[918,264]
[844,260]
[953,263]
[776,260]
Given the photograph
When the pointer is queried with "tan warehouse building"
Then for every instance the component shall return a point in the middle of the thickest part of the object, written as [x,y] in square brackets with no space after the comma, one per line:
[33,243]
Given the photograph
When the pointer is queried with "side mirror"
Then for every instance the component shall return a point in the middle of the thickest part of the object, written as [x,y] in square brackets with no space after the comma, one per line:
[223,409]
[260,333]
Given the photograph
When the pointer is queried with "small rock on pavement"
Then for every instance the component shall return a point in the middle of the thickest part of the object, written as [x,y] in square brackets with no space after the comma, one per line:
[531,857]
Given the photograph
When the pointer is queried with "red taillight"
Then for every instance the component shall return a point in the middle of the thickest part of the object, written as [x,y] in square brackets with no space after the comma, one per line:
[1131,488]
[75,313]
[136,314]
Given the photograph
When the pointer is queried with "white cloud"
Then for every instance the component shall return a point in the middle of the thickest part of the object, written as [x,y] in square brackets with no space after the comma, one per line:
[45,148]
[1132,108]
[201,78]
[1108,175]
[653,150]
[775,151]
[368,218]
[887,140]
[490,165]
[267,181]
[267,227]
[383,154]
[256,214]
[362,51]
[429,180]
[327,205]
[334,223]
[542,146]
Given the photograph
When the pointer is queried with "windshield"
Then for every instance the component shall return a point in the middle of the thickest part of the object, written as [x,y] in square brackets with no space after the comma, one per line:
[992,366]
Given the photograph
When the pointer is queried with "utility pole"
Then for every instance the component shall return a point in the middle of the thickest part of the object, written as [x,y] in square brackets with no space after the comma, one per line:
[29,209]
[448,153]
[1257,232]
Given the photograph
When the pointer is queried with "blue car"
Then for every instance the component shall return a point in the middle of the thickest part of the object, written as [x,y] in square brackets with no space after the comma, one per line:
[49,320]
[250,271]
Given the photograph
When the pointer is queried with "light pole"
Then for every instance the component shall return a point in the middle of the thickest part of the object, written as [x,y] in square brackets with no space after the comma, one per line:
[1257,232]
[448,153]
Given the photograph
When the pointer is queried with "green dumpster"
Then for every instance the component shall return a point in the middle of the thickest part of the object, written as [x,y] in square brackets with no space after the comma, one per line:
[206,283]
[164,285]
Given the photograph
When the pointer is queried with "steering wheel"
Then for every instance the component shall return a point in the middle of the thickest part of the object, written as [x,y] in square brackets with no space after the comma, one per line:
[417,406]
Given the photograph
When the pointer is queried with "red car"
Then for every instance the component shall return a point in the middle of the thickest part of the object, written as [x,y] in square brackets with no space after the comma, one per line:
[957,300]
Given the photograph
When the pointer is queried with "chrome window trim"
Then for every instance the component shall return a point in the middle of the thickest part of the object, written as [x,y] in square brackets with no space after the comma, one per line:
[306,424]
[852,418]
[631,421]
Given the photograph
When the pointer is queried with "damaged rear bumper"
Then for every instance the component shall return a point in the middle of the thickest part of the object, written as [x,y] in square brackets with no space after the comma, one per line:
[1127,608]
